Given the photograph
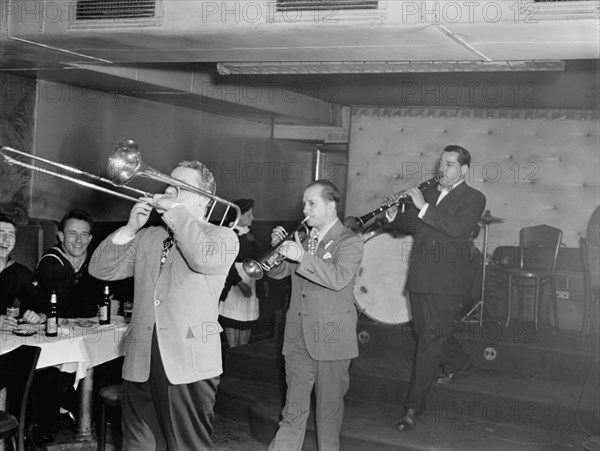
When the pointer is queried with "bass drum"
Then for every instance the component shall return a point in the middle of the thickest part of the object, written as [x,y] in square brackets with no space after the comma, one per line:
[379,290]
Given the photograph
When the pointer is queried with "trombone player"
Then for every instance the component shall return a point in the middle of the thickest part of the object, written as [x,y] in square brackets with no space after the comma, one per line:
[173,346]
[320,331]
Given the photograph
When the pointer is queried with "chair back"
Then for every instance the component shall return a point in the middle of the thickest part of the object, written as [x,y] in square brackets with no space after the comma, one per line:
[539,247]
[584,265]
[22,361]
[29,246]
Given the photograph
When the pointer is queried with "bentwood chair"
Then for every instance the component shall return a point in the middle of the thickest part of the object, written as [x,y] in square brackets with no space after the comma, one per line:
[538,253]
[591,295]
[21,363]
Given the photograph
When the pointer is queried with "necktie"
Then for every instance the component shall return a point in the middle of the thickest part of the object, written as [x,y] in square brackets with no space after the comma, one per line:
[167,245]
[313,241]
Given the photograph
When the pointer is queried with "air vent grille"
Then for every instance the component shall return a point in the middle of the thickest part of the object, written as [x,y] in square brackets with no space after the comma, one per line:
[115,9]
[307,5]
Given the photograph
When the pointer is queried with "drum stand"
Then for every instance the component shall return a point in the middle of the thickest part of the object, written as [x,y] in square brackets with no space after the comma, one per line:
[480,304]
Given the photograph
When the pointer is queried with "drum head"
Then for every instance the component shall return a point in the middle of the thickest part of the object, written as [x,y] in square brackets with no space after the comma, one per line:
[379,290]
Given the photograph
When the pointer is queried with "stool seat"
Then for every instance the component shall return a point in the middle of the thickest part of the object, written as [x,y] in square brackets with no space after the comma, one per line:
[112,395]
[8,425]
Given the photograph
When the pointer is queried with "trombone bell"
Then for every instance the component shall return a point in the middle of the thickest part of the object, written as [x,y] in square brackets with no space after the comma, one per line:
[124,162]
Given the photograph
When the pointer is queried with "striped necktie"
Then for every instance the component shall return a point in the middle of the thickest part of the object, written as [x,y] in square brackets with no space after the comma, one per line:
[313,241]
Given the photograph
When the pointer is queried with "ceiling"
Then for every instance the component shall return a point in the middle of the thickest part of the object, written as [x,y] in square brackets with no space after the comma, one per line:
[176,63]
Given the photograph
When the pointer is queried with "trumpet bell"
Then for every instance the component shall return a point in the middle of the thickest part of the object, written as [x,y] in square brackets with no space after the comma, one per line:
[252,268]
[124,162]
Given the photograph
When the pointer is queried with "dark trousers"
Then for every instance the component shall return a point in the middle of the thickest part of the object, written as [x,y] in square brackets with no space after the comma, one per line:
[51,389]
[158,415]
[437,343]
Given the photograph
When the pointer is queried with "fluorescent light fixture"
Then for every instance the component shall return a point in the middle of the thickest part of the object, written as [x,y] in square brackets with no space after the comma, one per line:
[383,67]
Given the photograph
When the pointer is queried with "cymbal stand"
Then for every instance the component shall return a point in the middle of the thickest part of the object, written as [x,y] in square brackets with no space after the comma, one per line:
[480,304]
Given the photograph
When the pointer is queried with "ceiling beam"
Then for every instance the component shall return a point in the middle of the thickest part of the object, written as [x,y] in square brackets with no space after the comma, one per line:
[264,97]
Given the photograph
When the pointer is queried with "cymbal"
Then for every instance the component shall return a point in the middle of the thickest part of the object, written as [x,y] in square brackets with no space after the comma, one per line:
[487,218]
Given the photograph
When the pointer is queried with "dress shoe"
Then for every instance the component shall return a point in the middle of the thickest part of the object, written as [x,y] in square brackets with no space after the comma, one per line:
[451,377]
[408,421]
[68,419]
[41,437]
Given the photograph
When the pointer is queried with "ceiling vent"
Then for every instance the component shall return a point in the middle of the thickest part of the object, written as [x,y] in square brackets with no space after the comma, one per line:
[328,11]
[116,13]
[297,5]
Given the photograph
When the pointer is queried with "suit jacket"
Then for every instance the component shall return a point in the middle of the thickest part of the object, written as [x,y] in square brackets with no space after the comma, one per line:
[181,299]
[442,249]
[322,303]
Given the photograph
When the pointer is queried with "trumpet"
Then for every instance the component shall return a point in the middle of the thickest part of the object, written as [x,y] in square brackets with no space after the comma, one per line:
[124,164]
[272,257]
[357,224]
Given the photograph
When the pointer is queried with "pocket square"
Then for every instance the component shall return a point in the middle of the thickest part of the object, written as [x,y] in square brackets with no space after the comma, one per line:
[327,255]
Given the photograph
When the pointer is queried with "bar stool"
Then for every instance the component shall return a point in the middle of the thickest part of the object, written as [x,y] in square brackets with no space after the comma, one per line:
[112,396]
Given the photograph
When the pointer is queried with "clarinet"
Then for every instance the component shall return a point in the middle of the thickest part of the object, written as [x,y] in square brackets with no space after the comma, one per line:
[360,222]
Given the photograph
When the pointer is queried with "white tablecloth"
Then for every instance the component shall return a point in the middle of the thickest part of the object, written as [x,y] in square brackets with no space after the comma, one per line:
[76,348]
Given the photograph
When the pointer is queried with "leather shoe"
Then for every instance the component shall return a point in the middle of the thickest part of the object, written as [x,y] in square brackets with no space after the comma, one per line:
[67,419]
[408,421]
[40,437]
[451,377]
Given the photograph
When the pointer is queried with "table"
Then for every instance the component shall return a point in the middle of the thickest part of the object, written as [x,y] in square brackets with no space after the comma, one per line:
[77,350]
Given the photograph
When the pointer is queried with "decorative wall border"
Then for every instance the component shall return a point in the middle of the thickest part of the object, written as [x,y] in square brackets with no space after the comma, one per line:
[477,113]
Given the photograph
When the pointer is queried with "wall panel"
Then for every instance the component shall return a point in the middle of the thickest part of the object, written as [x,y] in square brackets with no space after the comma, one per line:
[81,128]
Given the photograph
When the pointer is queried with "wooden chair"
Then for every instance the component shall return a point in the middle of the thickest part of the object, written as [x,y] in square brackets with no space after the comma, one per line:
[591,297]
[112,396]
[22,362]
[538,253]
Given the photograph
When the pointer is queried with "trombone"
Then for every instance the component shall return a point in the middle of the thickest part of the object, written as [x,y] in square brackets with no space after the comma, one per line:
[124,164]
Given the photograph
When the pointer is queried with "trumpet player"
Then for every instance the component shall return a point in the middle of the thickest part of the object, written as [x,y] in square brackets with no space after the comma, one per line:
[439,275]
[320,333]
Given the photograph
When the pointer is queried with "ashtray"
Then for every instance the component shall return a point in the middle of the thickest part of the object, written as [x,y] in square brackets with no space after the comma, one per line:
[24,332]
[85,323]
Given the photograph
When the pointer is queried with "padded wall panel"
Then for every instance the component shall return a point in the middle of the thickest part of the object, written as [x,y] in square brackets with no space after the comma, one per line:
[534,166]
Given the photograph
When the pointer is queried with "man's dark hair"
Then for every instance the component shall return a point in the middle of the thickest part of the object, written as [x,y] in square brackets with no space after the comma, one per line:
[8,219]
[75,214]
[329,190]
[464,157]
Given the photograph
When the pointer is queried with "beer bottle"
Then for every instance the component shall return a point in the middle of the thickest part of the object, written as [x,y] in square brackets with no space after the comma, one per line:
[52,319]
[104,309]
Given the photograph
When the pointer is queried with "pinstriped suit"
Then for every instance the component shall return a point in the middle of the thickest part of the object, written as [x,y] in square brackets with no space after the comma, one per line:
[438,279]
